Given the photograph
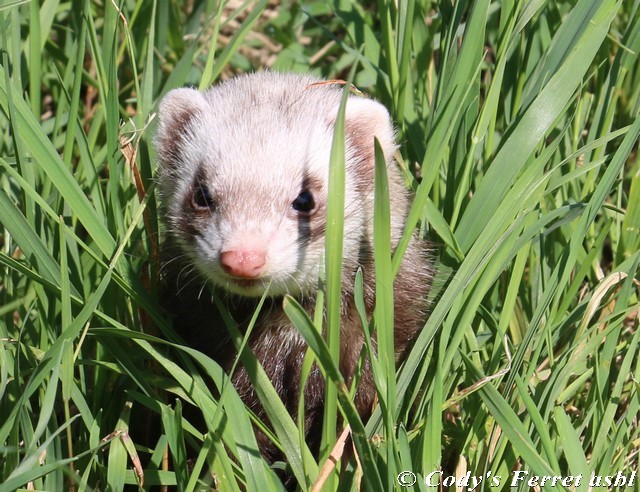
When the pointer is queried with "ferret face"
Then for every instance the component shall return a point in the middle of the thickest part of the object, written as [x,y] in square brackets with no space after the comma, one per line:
[243,179]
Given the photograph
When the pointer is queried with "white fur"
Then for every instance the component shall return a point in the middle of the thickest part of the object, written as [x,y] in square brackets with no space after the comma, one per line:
[257,137]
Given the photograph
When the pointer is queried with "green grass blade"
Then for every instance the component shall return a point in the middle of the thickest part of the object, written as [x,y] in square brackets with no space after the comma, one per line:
[333,271]
[305,326]
[384,304]
[49,161]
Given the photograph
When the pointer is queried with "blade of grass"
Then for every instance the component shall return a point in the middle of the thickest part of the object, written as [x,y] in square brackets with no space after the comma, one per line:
[305,326]
[384,305]
[333,271]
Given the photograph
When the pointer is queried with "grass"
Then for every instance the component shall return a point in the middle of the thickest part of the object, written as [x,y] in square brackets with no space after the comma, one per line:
[519,126]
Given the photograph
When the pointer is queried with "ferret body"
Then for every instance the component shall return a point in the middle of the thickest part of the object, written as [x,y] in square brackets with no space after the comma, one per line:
[243,173]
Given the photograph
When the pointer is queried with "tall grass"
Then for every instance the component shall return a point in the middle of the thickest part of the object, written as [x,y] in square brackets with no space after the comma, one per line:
[519,126]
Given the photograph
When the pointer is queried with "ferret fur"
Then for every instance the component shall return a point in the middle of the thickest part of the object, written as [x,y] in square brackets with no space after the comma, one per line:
[255,143]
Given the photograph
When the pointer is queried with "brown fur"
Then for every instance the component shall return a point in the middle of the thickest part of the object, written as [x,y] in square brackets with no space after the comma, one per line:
[199,323]
[186,292]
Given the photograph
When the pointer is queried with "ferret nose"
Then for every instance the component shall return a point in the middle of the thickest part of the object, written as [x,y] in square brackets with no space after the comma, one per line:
[243,264]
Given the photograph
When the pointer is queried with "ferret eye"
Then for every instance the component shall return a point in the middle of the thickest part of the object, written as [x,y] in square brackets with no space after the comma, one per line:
[202,198]
[304,202]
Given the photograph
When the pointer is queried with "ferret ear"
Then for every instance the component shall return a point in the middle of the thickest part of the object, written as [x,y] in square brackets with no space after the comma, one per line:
[176,112]
[365,120]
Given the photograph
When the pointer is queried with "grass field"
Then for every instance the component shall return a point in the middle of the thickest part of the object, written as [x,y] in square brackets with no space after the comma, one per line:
[519,125]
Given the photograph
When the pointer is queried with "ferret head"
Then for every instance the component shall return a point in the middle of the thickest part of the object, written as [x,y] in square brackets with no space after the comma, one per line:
[243,180]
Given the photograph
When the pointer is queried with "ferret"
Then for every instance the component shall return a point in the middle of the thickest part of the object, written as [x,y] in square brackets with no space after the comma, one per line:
[243,190]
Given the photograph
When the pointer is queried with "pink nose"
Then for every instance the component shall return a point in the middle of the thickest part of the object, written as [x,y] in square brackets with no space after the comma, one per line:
[243,264]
